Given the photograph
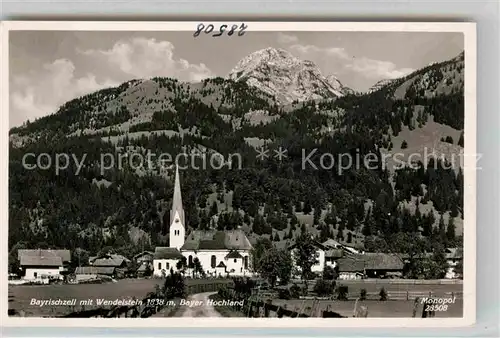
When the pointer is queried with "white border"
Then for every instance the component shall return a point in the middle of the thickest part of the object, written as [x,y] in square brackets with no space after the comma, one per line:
[469,283]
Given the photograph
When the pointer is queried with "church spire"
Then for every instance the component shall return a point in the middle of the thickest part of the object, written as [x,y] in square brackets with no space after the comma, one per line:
[177,200]
[177,230]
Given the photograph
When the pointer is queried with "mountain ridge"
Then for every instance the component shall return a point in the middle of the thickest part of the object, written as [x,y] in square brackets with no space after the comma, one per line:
[286,77]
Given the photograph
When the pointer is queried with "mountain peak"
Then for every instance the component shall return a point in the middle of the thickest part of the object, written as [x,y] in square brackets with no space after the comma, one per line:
[277,72]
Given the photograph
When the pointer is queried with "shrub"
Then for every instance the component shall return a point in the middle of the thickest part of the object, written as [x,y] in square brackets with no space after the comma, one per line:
[323,287]
[383,294]
[342,292]
[404,145]
[362,294]
[295,291]
[329,273]
[174,285]
[284,294]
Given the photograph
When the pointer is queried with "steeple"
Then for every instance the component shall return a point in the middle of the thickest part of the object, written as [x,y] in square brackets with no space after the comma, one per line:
[177,200]
[177,230]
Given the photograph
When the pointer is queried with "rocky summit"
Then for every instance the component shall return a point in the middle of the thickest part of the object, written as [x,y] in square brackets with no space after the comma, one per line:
[280,74]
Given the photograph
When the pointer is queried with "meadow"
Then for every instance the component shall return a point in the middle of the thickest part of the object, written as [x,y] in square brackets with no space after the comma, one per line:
[20,296]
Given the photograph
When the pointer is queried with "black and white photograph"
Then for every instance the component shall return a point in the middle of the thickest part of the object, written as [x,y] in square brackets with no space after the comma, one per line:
[249,170]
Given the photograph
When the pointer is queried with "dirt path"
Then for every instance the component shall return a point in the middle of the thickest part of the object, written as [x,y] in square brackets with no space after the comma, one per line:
[199,307]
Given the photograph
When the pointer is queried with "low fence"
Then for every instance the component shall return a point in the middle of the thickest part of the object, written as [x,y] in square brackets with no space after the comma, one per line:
[258,309]
[208,286]
[372,281]
[403,281]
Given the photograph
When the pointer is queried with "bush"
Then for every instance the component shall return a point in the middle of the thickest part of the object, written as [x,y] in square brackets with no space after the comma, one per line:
[383,294]
[323,287]
[362,294]
[295,291]
[284,294]
[342,292]
[404,145]
[174,285]
[329,273]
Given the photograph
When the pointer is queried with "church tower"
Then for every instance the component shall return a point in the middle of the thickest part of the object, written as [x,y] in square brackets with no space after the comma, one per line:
[177,230]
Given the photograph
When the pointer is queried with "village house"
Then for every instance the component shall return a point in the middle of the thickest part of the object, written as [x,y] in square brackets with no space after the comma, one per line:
[43,265]
[382,265]
[219,252]
[144,257]
[370,265]
[84,273]
[144,263]
[118,262]
[165,259]
[453,257]
[350,268]
[332,255]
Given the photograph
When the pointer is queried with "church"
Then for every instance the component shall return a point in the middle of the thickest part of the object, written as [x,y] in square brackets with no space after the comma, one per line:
[221,253]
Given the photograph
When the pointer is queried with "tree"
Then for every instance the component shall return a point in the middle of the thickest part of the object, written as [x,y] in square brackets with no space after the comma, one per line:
[198,268]
[450,230]
[329,273]
[459,269]
[404,144]
[437,266]
[410,245]
[307,207]
[277,237]
[214,210]
[79,257]
[305,254]
[182,265]
[275,264]
[258,250]
[349,237]
[174,285]
[324,287]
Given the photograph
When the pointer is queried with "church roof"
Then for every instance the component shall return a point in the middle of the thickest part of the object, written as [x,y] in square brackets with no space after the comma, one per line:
[177,199]
[217,240]
[162,252]
[234,254]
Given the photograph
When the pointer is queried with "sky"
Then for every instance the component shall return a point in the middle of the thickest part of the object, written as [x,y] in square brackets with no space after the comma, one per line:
[48,68]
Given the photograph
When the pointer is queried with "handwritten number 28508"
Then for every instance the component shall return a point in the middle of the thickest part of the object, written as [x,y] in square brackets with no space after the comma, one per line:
[222,29]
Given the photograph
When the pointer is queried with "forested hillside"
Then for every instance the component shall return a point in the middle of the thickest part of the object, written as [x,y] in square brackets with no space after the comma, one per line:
[128,209]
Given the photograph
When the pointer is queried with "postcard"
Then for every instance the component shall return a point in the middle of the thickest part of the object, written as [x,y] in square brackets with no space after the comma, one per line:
[257,174]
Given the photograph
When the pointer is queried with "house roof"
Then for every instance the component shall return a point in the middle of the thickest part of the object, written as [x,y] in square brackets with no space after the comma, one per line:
[331,243]
[350,265]
[143,267]
[371,261]
[109,261]
[382,261]
[221,265]
[315,243]
[144,253]
[162,252]
[95,270]
[64,254]
[217,240]
[234,254]
[28,260]
[334,253]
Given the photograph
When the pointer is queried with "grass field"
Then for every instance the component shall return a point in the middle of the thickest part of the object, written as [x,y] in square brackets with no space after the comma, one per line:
[20,296]
[375,308]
